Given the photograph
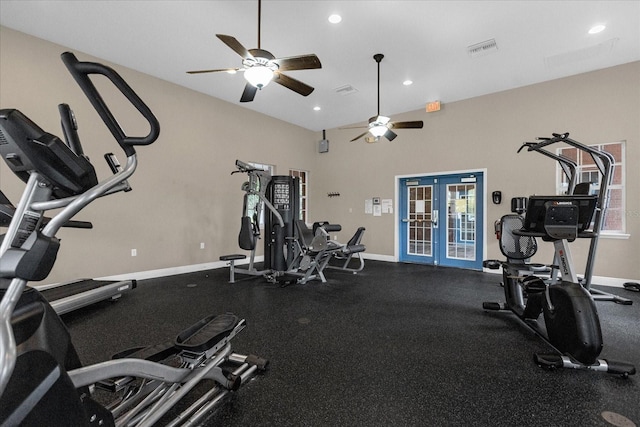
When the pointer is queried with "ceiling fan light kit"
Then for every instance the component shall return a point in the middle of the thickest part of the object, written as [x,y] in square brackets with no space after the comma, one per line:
[258,76]
[378,130]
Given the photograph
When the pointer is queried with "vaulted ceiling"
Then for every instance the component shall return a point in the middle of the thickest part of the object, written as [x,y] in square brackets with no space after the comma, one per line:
[426,42]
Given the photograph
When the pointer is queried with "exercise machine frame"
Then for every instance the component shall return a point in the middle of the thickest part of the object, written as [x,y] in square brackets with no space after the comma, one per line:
[41,379]
[604,161]
[292,251]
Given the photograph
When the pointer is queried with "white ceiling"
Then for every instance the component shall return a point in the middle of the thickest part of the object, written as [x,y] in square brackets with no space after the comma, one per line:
[425,41]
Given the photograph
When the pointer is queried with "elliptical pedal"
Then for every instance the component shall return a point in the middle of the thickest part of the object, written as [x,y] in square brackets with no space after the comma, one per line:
[210,334]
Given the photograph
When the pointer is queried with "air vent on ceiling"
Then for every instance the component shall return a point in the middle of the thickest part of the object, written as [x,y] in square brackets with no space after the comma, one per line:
[482,48]
[345,90]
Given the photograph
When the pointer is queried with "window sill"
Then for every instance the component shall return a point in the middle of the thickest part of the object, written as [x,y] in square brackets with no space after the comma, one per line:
[619,236]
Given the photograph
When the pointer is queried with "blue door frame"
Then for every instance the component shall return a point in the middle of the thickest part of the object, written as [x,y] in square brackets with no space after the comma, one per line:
[441,219]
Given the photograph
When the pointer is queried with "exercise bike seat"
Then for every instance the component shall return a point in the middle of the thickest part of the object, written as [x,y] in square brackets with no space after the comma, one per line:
[206,333]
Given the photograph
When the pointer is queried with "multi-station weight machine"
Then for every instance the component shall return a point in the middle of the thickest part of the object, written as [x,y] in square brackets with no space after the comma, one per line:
[293,253]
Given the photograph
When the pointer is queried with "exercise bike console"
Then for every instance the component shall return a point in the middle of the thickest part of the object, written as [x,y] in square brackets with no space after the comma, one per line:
[559,217]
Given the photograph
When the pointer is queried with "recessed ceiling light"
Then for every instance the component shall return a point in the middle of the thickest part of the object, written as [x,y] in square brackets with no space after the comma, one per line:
[597,29]
[316,108]
[335,18]
[407,82]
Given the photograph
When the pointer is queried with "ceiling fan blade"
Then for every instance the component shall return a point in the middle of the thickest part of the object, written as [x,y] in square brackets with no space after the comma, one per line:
[249,93]
[407,125]
[293,84]
[261,53]
[235,45]
[359,136]
[390,135]
[213,71]
[302,62]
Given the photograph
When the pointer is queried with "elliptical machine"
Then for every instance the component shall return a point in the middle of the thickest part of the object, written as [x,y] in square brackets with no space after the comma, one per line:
[42,381]
[571,322]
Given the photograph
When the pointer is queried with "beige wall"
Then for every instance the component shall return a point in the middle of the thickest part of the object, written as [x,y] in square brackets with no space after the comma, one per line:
[485,133]
[183,193]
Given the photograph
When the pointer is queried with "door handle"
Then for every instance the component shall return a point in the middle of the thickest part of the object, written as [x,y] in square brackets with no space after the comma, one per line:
[434,218]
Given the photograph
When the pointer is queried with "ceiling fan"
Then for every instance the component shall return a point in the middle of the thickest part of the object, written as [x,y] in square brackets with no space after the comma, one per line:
[261,66]
[381,125]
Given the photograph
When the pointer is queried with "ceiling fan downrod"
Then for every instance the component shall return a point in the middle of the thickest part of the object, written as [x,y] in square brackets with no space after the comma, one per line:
[378,57]
[259,16]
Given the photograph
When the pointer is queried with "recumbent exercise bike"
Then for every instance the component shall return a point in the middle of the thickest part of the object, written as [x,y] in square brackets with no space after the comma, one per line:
[42,381]
[571,323]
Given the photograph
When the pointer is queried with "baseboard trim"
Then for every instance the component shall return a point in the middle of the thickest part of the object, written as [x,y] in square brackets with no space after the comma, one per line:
[613,282]
[171,271]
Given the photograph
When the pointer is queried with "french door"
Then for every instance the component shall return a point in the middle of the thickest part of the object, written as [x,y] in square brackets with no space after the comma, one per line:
[441,220]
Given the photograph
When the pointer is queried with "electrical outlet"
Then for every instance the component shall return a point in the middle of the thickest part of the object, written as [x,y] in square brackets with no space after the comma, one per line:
[201,245]
[134,252]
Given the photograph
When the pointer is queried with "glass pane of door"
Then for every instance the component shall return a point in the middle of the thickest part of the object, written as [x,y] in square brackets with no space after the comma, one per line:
[461,221]
[420,233]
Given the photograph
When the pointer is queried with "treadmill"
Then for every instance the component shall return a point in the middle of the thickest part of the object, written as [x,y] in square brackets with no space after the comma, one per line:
[69,296]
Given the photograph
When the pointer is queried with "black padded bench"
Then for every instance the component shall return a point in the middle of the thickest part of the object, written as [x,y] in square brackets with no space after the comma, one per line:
[232,259]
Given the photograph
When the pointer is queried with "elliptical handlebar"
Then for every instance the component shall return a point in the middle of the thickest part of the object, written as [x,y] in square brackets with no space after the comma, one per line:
[81,71]
[49,159]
